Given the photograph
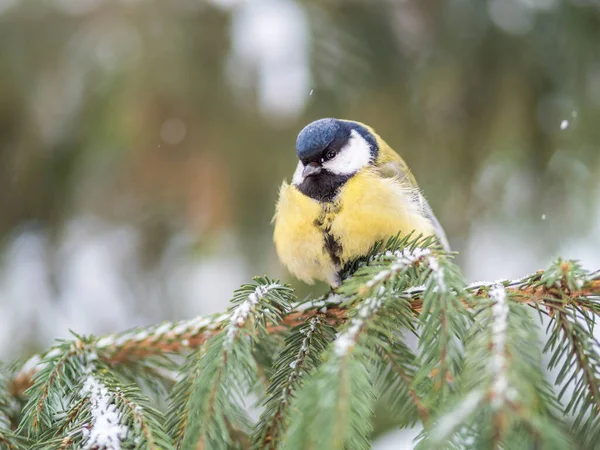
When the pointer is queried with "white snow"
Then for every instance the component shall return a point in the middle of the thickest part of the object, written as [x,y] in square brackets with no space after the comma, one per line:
[195,325]
[300,357]
[199,323]
[185,327]
[405,255]
[347,339]
[438,273]
[181,328]
[106,341]
[53,353]
[448,422]
[415,289]
[162,329]
[242,311]
[141,335]
[499,327]
[30,364]
[106,429]
[122,339]
[331,299]
[404,258]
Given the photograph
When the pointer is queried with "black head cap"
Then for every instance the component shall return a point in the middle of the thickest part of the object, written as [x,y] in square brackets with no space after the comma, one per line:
[328,133]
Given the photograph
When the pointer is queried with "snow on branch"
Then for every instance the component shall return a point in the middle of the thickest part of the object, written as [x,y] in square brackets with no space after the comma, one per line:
[243,310]
[178,337]
[106,429]
[499,329]
[478,352]
[450,422]
[301,354]
[347,339]
[207,402]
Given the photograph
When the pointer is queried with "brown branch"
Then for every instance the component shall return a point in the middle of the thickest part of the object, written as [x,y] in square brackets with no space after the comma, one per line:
[173,343]
[139,417]
[66,442]
[541,293]
[122,351]
[56,371]
[590,379]
[421,409]
[270,435]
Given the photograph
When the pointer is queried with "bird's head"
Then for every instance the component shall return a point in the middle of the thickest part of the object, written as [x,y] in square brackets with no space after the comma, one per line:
[331,151]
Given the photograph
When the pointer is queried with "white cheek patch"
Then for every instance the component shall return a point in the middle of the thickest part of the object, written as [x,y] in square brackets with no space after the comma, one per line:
[297,179]
[353,156]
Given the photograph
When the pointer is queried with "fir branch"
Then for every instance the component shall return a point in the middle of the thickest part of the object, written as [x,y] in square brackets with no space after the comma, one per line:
[12,441]
[504,391]
[179,395]
[302,353]
[9,440]
[94,410]
[181,337]
[570,297]
[148,431]
[443,324]
[213,410]
[67,393]
[10,405]
[161,339]
[140,345]
[443,316]
[334,407]
[396,386]
[336,402]
[394,369]
[576,351]
[61,369]
[216,400]
[388,293]
[452,421]
[499,391]
[118,415]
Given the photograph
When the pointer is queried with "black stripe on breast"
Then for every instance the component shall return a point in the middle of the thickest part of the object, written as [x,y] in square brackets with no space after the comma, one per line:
[331,245]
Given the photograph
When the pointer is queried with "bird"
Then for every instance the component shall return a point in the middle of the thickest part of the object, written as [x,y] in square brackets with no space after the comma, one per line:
[350,190]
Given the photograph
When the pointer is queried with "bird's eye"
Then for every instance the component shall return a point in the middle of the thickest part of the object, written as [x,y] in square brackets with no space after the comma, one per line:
[330,154]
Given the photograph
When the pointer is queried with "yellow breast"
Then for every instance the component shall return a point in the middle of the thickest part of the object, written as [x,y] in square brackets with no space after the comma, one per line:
[299,242]
[374,209]
[368,209]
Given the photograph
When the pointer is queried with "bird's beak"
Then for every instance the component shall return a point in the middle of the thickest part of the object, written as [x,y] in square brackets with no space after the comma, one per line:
[311,169]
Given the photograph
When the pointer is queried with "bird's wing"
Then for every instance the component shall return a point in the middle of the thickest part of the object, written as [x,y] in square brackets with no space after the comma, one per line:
[391,165]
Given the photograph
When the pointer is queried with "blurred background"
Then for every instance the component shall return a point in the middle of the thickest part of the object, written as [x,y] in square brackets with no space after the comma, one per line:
[142,143]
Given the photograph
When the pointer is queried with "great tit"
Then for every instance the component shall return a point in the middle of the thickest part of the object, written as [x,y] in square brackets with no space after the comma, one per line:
[349,190]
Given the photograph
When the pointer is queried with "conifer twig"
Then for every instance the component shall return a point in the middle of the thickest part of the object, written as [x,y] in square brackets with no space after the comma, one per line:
[421,409]
[479,364]
[302,353]
[207,411]
[178,337]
